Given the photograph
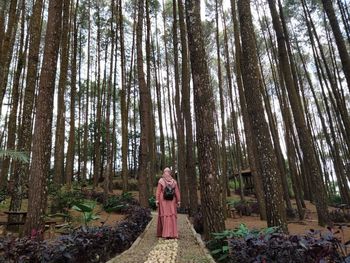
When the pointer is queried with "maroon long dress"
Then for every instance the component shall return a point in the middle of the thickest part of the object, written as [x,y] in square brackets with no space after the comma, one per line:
[167,212]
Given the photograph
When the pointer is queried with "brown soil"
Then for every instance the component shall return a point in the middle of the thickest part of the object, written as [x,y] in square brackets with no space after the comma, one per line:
[108,219]
[294,227]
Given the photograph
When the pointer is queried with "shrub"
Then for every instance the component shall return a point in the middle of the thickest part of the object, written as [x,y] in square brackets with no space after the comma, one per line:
[63,200]
[99,197]
[93,244]
[87,210]
[133,184]
[335,200]
[338,216]
[2,195]
[278,247]
[198,222]
[119,203]
[268,245]
[218,246]
[243,208]
[291,213]
[152,202]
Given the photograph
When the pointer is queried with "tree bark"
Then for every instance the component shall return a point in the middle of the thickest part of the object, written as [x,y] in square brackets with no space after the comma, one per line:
[252,155]
[304,135]
[40,166]
[181,172]
[343,53]
[59,176]
[20,175]
[73,92]
[204,109]
[191,174]
[266,157]
[145,114]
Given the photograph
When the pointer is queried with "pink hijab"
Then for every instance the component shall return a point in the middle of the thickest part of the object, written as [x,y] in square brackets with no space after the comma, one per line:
[167,178]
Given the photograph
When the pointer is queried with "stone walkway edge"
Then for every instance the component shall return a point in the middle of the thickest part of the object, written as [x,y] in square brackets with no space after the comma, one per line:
[200,241]
[136,242]
[190,247]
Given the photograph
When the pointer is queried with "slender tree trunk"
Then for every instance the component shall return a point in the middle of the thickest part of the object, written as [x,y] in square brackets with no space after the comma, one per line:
[145,114]
[6,48]
[267,159]
[20,175]
[151,133]
[182,178]
[343,53]
[304,135]
[97,146]
[59,177]
[12,125]
[40,166]
[123,104]
[252,155]
[191,174]
[86,113]
[73,93]
[204,108]
[224,177]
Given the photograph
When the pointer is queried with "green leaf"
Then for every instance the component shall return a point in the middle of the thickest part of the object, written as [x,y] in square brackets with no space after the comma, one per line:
[222,257]
[216,251]
[84,207]
[15,155]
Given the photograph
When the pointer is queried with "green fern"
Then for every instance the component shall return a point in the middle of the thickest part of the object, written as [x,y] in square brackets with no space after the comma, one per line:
[15,155]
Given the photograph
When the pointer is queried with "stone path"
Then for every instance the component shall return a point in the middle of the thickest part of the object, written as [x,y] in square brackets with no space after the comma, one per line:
[150,249]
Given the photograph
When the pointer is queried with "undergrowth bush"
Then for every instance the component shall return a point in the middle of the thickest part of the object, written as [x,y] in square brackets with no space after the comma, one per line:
[339,216]
[245,208]
[198,222]
[247,246]
[119,203]
[86,244]
[133,184]
[63,200]
[152,202]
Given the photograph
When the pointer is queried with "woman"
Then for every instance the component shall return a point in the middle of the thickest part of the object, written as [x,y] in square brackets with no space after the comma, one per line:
[167,212]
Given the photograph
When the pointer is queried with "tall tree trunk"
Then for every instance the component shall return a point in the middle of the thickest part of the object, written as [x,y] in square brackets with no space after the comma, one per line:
[73,93]
[179,116]
[343,53]
[266,157]
[191,174]
[204,108]
[224,176]
[12,125]
[20,175]
[98,120]
[252,155]
[304,135]
[6,48]
[87,95]
[151,134]
[40,166]
[59,177]
[145,114]
[123,104]
[159,101]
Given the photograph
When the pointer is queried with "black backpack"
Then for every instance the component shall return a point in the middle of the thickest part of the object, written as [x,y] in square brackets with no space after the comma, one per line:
[169,192]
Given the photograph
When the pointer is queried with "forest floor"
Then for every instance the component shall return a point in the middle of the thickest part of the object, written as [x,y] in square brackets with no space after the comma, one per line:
[295,227]
[189,247]
[109,219]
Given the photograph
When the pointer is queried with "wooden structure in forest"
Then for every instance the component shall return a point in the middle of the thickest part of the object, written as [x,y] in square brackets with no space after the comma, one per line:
[247,178]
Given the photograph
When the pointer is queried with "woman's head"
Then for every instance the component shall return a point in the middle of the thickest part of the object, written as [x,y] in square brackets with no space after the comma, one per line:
[167,174]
